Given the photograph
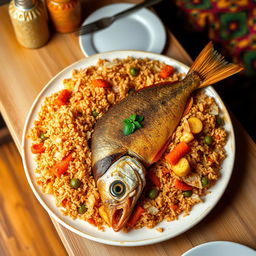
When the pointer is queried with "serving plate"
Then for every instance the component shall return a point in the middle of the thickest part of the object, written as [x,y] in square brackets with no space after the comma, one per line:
[141,30]
[220,248]
[142,236]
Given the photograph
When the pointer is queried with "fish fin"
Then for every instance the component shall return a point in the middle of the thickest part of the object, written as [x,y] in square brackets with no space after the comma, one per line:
[158,155]
[212,67]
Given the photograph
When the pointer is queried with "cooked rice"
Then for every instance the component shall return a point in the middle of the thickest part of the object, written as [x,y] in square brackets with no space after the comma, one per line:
[69,127]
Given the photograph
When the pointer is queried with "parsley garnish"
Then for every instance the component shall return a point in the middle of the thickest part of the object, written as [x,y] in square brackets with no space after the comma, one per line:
[132,123]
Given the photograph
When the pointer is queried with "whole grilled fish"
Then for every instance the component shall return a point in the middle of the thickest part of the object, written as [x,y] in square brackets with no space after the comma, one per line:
[120,162]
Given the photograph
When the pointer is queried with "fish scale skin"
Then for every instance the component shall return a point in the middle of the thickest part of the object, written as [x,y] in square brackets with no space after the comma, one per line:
[162,108]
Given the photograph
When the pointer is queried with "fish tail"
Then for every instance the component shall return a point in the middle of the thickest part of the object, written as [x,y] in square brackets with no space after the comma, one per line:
[212,67]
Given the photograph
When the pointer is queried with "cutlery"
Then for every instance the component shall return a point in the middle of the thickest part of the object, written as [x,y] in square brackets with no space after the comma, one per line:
[107,21]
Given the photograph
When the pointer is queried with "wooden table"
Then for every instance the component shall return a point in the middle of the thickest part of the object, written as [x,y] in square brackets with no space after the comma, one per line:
[23,73]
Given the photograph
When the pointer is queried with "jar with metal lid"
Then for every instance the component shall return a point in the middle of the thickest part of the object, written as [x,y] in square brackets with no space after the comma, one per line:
[29,20]
[65,14]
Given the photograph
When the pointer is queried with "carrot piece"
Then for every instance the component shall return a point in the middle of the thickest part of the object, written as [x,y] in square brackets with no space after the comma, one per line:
[177,153]
[61,167]
[188,106]
[135,216]
[101,83]
[181,185]
[91,221]
[154,179]
[64,201]
[38,148]
[166,71]
[174,207]
[63,97]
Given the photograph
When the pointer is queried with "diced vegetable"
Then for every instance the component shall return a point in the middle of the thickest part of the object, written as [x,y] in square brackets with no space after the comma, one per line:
[188,106]
[187,193]
[101,83]
[204,181]
[153,193]
[75,183]
[193,179]
[82,209]
[43,137]
[91,221]
[181,185]
[182,168]
[177,153]
[38,148]
[152,210]
[103,215]
[135,216]
[166,71]
[154,179]
[64,202]
[187,137]
[61,167]
[134,71]
[195,124]
[95,113]
[208,140]
[63,97]
[174,207]
[219,121]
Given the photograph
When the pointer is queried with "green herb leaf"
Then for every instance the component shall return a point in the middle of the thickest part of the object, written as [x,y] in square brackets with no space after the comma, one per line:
[128,128]
[133,127]
[133,117]
[137,124]
[139,118]
[127,121]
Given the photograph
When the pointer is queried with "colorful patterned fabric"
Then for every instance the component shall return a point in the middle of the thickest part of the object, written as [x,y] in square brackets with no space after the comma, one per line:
[231,23]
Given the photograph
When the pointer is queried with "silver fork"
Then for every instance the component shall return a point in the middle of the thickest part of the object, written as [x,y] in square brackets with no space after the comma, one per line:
[107,21]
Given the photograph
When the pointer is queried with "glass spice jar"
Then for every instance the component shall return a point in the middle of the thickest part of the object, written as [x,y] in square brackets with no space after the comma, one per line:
[65,14]
[29,20]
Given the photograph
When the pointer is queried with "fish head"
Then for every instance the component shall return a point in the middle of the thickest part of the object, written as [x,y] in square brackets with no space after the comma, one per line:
[120,187]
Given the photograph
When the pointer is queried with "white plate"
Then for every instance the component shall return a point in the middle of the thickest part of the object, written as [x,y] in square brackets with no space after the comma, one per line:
[141,30]
[137,237]
[220,248]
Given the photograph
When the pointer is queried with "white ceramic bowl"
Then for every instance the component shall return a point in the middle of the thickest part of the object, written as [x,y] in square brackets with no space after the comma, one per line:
[142,236]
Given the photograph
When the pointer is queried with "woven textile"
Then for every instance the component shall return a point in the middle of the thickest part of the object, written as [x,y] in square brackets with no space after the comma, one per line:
[231,23]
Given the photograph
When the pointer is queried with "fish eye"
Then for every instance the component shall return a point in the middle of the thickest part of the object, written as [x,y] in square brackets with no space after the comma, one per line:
[117,188]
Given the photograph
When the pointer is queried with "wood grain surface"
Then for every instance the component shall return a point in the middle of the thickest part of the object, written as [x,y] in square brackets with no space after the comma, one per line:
[24,72]
[25,228]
